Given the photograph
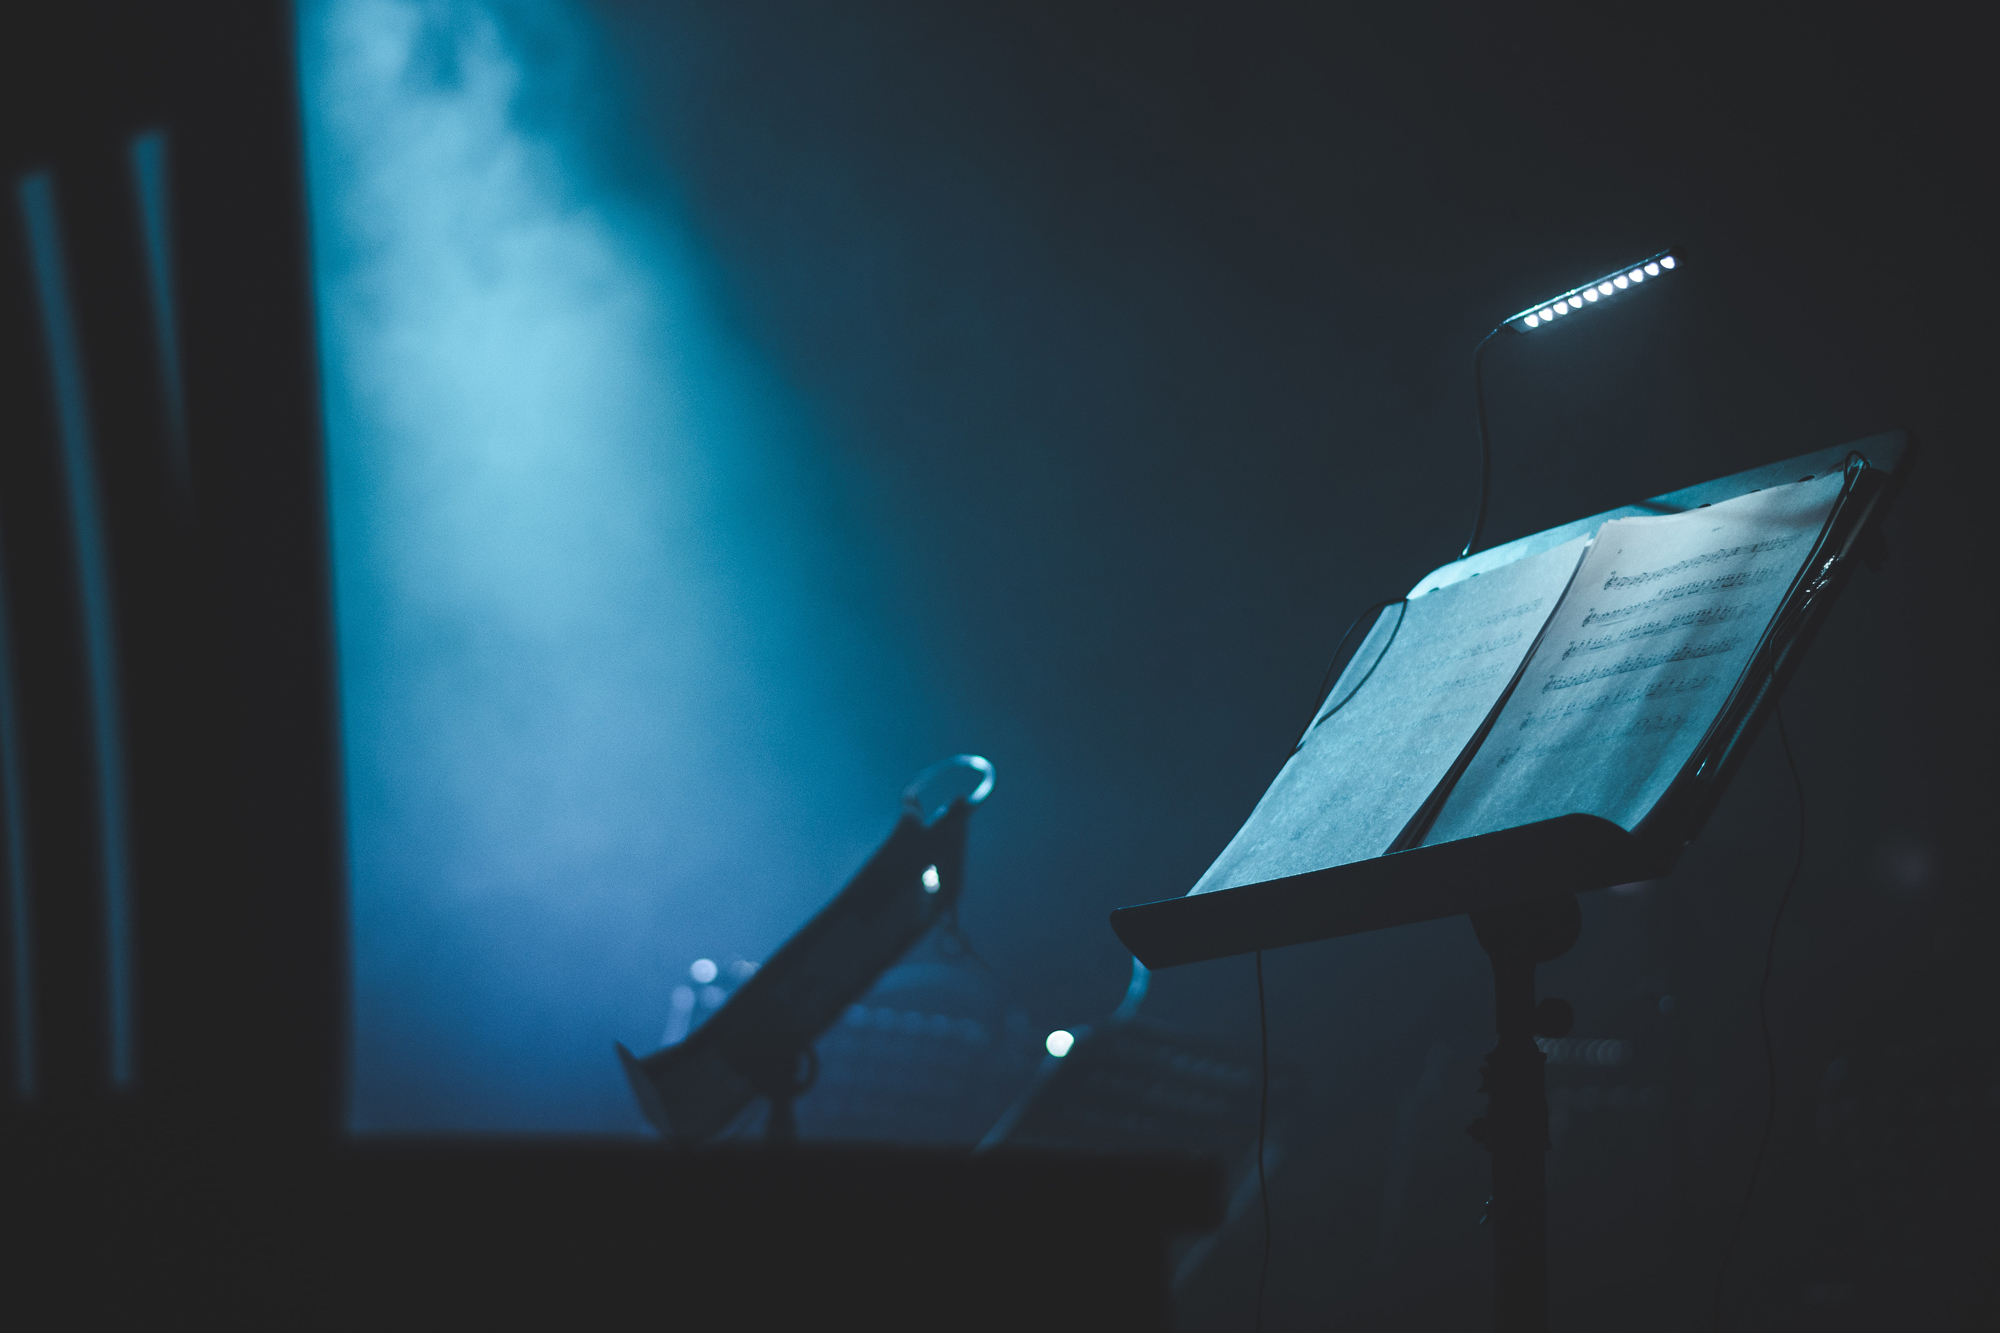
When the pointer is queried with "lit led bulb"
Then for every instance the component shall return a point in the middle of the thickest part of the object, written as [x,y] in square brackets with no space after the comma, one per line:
[1590,293]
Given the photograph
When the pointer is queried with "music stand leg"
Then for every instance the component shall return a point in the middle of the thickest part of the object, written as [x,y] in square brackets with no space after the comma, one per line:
[1515,1128]
[781,1125]
[783,1076]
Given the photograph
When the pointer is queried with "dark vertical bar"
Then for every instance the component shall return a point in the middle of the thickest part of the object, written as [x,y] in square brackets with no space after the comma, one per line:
[156,279]
[36,196]
[55,790]
[253,421]
[151,186]
[116,256]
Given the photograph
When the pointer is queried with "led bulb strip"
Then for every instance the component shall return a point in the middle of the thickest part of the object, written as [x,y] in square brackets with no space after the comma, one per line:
[1604,288]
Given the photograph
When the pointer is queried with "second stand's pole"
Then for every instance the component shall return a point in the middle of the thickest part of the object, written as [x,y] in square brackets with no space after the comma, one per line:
[1515,1128]
[783,1076]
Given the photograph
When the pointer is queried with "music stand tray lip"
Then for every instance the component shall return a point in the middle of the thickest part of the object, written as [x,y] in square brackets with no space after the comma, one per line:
[1889,453]
[1569,854]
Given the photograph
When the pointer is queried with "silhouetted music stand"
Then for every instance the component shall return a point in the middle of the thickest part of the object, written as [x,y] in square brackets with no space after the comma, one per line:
[1519,884]
[760,1043]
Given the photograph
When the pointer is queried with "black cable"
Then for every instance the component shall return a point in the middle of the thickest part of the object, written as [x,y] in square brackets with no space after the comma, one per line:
[1485,450]
[1764,1021]
[1326,681]
[1403,602]
[1478,527]
[1263,1122]
[955,944]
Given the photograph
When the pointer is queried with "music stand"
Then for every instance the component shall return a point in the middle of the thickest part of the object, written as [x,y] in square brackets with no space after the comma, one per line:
[1519,884]
[760,1042]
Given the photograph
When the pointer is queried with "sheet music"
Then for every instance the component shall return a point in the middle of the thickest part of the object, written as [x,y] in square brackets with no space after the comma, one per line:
[1660,623]
[1380,747]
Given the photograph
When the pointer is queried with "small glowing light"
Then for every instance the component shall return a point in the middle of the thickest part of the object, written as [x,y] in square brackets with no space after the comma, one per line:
[1532,320]
[1666,261]
[1590,295]
[1636,276]
[1604,289]
[1620,283]
[703,971]
[1548,315]
[1653,270]
[1562,307]
[680,1016]
[1059,1043]
[931,880]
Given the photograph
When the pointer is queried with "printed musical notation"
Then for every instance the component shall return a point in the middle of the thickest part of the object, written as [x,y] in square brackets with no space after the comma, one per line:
[1661,621]
[1434,669]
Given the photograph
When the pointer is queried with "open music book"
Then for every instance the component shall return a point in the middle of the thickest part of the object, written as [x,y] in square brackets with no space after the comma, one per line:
[1596,677]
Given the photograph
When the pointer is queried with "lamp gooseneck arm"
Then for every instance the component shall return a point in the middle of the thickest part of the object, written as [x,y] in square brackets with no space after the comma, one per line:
[1485,448]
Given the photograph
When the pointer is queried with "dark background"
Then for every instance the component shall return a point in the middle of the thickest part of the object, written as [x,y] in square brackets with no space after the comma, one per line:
[1144,332]
[1149,326]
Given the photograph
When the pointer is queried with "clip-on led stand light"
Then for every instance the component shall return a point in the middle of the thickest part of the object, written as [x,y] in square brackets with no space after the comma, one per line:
[760,1042]
[1284,879]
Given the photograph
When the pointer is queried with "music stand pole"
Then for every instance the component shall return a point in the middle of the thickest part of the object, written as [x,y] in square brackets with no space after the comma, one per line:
[1515,1128]
[782,1073]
